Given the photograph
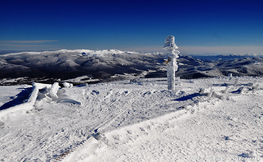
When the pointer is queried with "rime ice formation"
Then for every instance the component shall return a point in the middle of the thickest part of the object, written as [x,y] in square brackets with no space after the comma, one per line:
[53,90]
[67,85]
[172,54]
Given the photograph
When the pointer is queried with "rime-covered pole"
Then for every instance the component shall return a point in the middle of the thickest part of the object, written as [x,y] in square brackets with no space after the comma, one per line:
[172,54]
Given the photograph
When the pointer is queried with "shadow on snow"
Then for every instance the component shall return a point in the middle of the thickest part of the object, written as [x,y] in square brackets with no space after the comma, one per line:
[189,97]
[19,99]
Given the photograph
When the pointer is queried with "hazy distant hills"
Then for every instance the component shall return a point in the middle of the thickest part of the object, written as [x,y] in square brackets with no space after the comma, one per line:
[108,65]
[196,68]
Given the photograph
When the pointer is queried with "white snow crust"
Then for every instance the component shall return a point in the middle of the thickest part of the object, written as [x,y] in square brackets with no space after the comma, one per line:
[202,120]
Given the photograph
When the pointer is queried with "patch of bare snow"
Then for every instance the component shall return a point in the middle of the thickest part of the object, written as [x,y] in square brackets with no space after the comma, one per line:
[202,120]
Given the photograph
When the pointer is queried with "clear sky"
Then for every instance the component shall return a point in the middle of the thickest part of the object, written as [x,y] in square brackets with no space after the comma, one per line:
[200,26]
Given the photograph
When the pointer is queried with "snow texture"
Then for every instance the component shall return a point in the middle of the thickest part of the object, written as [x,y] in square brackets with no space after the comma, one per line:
[203,120]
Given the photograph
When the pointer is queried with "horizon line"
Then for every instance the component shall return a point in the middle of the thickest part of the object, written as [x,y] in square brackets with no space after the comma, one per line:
[27,41]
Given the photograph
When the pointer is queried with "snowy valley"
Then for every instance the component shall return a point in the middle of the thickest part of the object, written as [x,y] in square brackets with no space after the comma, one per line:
[93,66]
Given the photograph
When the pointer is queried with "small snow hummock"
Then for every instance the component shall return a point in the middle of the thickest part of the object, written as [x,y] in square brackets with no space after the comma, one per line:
[67,85]
[53,90]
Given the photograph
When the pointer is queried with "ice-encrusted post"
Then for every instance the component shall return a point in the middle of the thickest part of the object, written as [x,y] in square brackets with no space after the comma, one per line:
[172,54]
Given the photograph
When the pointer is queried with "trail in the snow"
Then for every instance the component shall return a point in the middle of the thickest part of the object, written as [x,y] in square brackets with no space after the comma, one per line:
[136,105]
[139,115]
[100,148]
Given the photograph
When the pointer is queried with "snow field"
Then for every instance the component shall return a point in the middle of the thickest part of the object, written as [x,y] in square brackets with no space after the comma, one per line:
[140,121]
[133,133]
[118,136]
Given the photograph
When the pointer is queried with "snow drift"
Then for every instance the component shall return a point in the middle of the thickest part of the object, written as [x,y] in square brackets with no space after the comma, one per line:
[28,104]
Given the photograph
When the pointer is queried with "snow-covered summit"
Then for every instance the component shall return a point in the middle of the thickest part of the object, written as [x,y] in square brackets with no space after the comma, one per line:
[76,51]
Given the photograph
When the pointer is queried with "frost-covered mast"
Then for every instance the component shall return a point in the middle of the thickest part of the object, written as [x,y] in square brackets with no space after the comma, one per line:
[172,54]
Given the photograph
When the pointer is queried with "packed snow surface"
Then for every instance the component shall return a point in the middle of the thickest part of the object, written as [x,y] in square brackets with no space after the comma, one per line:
[217,119]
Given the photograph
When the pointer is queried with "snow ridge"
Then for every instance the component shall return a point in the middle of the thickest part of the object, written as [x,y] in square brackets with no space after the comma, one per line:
[27,105]
[84,52]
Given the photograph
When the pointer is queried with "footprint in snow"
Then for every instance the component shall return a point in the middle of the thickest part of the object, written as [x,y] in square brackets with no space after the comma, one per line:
[129,132]
[2,124]
[125,92]
[147,93]
[142,129]
[108,94]
[94,92]
[116,137]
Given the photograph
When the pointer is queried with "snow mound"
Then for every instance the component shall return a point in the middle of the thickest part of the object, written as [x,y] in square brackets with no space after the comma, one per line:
[27,105]
[65,97]
[67,85]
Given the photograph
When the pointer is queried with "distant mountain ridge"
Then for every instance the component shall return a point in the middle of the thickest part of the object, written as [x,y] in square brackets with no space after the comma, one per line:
[223,57]
[108,65]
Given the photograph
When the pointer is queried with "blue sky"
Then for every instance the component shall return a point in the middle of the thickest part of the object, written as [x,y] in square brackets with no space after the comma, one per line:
[200,26]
